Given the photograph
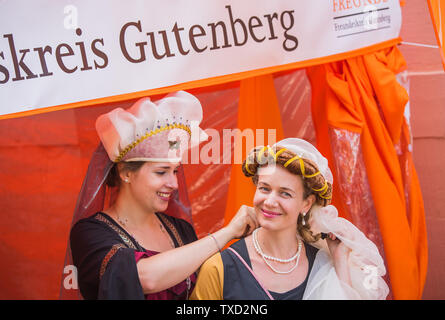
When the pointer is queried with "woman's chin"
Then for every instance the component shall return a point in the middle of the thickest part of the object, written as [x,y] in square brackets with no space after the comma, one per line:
[161,207]
[269,224]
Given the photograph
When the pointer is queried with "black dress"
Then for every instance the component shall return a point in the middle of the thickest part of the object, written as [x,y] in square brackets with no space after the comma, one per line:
[105,256]
[239,284]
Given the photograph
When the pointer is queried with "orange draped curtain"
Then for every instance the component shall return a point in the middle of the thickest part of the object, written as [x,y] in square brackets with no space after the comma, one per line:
[257,109]
[362,95]
[437,12]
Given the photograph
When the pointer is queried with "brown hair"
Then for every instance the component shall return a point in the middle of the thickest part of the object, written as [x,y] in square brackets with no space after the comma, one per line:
[315,185]
[114,179]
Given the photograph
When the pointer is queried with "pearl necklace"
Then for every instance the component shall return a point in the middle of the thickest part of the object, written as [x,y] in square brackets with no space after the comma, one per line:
[267,257]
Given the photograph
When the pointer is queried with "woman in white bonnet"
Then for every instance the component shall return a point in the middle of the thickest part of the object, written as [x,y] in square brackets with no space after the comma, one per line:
[302,250]
[143,245]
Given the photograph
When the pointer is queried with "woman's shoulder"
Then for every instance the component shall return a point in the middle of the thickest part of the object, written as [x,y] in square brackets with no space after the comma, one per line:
[310,247]
[96,227]
[214,262]
[311,250]
[99,220]
[239,247]
[210,282]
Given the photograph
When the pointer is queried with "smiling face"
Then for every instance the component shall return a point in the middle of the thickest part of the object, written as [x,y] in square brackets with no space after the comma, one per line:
[153,184]
[279,198]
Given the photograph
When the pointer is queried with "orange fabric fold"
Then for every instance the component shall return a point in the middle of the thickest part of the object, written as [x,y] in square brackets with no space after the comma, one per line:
[437,13]
[257,109]
[362,95]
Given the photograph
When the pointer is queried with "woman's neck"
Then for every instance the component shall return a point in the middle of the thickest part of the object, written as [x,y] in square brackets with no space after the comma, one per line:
[278,243]
[132,214]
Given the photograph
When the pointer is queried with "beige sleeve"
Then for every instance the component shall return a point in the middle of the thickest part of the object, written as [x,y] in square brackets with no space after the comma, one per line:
[210,282]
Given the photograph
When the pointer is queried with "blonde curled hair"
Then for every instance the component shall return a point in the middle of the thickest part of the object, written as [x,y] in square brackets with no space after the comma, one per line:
[313,181]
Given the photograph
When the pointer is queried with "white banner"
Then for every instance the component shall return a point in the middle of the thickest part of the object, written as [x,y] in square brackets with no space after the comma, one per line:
[59,52]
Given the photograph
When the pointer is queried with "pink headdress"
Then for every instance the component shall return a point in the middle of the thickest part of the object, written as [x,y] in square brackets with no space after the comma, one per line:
[152,131]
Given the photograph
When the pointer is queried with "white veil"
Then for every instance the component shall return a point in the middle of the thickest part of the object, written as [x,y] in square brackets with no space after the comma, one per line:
[365,265]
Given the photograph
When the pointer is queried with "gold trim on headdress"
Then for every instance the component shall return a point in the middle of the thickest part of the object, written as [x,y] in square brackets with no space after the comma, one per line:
[149,134]
[278,153]
[288,162]
[260,154]
[247,168]
[327,198]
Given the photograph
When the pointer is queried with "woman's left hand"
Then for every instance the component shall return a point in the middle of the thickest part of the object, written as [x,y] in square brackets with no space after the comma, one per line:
[339,251]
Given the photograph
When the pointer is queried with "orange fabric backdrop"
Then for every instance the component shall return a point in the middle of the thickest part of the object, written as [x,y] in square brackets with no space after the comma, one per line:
[437,12]
[362,95]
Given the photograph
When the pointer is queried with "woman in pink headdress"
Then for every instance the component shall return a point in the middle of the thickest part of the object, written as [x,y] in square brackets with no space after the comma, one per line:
[143,245]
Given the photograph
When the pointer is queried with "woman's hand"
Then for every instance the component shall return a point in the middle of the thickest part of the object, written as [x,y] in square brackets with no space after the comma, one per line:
[339,253]
[243,223]
[170,267]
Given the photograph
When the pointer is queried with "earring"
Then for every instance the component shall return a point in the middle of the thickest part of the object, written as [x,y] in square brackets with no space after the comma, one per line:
[303,221]
[126,180]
